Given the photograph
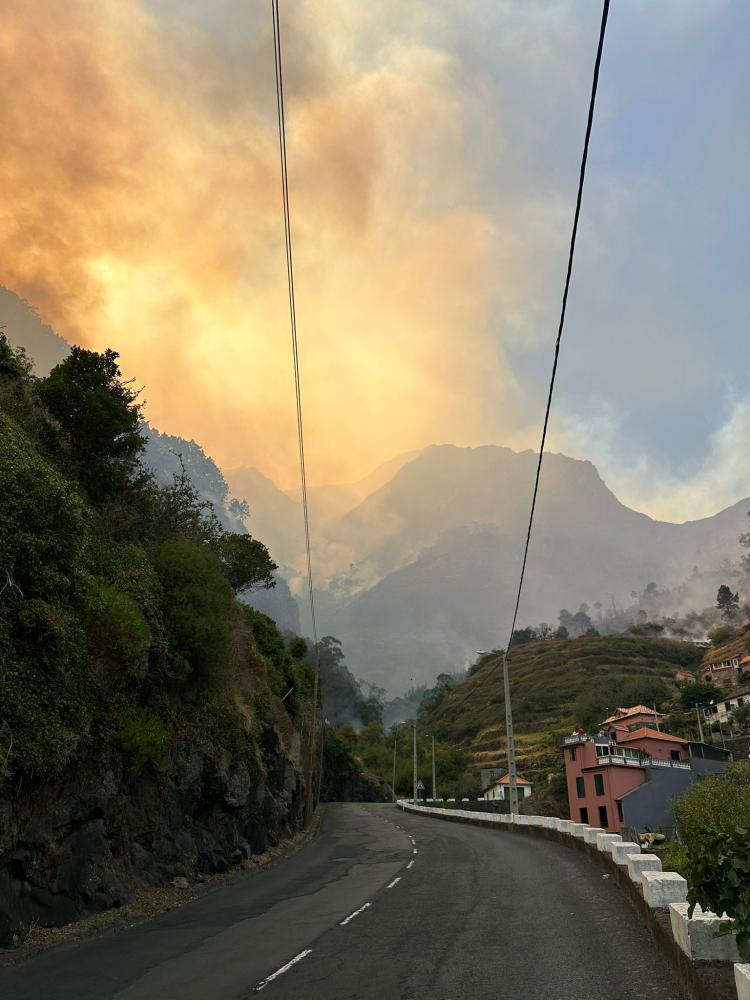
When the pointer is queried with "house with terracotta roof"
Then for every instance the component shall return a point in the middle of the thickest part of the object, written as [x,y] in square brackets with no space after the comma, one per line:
[621,778]
[500,789]
[686,677]
[627,719]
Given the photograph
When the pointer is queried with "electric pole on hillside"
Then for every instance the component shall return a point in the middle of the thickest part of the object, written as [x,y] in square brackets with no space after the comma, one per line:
[395,740]
[700,725]
[415,762]
[512,776]
[434,793]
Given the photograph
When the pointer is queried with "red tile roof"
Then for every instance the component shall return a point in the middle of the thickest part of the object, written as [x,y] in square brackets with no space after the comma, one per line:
[505,780]
[652,734]
[625,713]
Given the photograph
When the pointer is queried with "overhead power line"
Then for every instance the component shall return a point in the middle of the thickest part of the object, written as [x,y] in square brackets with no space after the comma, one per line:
[297,391]
[513,785]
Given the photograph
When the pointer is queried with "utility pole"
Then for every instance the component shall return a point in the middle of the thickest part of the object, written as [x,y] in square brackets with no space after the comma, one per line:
[700,726]
[512,776]
[395,740]
[434,792]
[415,763]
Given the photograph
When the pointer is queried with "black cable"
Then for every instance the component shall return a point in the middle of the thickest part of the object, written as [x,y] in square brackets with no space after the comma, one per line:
[582,176]
[297,380]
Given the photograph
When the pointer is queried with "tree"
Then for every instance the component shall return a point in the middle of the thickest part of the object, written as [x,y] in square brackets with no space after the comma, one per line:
[523,636]
[727,602]
[245,562]
[699,693]
[99,416]
[562,633]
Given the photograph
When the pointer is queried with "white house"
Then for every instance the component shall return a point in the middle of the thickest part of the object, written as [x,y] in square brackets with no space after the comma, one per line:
[500,789]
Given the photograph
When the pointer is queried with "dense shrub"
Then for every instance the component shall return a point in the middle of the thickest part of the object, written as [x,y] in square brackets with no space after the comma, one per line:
[143,740]
[196,603]
[714,823]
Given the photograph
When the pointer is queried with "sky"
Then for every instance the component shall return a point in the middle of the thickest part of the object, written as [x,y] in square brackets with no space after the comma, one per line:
[433,152]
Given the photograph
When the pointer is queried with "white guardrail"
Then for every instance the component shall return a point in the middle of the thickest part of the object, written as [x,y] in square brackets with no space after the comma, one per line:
[662,891]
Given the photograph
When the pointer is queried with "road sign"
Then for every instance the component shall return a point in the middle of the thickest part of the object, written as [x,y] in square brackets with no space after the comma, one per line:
[420,786]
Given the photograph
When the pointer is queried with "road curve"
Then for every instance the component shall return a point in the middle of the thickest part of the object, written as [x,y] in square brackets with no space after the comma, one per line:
[380,906]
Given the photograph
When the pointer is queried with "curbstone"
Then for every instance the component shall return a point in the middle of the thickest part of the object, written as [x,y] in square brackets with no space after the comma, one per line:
[579,830]
[565,826]
[639,863]
[697,935]
[620,851]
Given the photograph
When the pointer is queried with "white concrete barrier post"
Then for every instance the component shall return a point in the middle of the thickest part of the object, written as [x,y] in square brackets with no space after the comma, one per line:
[697,935]
[579,829]
[620,851]
[639,863]
[565,826]
[660,889]
[604,841]
[742,981]
[591,834]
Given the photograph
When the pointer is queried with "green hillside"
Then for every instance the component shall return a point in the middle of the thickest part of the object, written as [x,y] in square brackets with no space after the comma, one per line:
[555,686]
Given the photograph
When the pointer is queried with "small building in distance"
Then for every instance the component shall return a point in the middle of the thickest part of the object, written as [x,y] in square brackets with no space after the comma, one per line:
[684,677]
[723,664]
[500,789]
[620,778]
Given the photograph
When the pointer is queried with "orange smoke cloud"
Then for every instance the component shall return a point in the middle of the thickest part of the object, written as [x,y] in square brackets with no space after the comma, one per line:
[142,211]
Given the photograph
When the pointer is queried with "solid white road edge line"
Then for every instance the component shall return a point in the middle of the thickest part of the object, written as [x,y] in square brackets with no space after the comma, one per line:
[355,914]
[393,882]
[284,968]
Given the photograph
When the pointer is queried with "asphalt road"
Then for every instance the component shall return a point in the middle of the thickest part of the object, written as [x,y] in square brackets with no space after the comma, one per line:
[460,913]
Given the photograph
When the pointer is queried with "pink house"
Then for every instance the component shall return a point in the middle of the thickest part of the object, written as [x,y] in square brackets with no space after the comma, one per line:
[603,771]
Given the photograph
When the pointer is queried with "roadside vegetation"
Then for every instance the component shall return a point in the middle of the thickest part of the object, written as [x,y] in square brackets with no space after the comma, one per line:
[119,618]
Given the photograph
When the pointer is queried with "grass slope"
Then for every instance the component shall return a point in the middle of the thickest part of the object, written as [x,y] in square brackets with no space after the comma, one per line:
[547,680]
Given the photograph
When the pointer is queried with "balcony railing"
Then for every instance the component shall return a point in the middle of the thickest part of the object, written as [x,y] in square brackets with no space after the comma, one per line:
[576,738]
[653,762]
[626,761]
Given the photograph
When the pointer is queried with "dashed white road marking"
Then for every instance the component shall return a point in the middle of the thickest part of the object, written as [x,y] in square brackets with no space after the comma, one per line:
[415,851]
[391,884]
[410,863]
[284,968]
[355,914]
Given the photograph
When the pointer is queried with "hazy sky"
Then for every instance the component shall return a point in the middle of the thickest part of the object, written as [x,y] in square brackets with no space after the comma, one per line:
[434,151]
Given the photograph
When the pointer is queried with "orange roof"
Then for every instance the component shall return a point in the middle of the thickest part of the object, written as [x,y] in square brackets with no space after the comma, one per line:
[745,661]
[624,713]
[651,734]
[505,780]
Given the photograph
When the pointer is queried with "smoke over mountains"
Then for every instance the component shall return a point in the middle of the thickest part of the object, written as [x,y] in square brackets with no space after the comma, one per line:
[422,572]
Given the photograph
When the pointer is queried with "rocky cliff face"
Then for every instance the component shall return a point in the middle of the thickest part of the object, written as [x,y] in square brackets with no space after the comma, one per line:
[85,843]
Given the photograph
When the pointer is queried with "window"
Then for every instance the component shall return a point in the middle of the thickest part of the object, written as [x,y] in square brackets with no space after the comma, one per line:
[581,788]
[674,754]
[619,811]
[599,784]
[573,753]
[603,820]
[584,815]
